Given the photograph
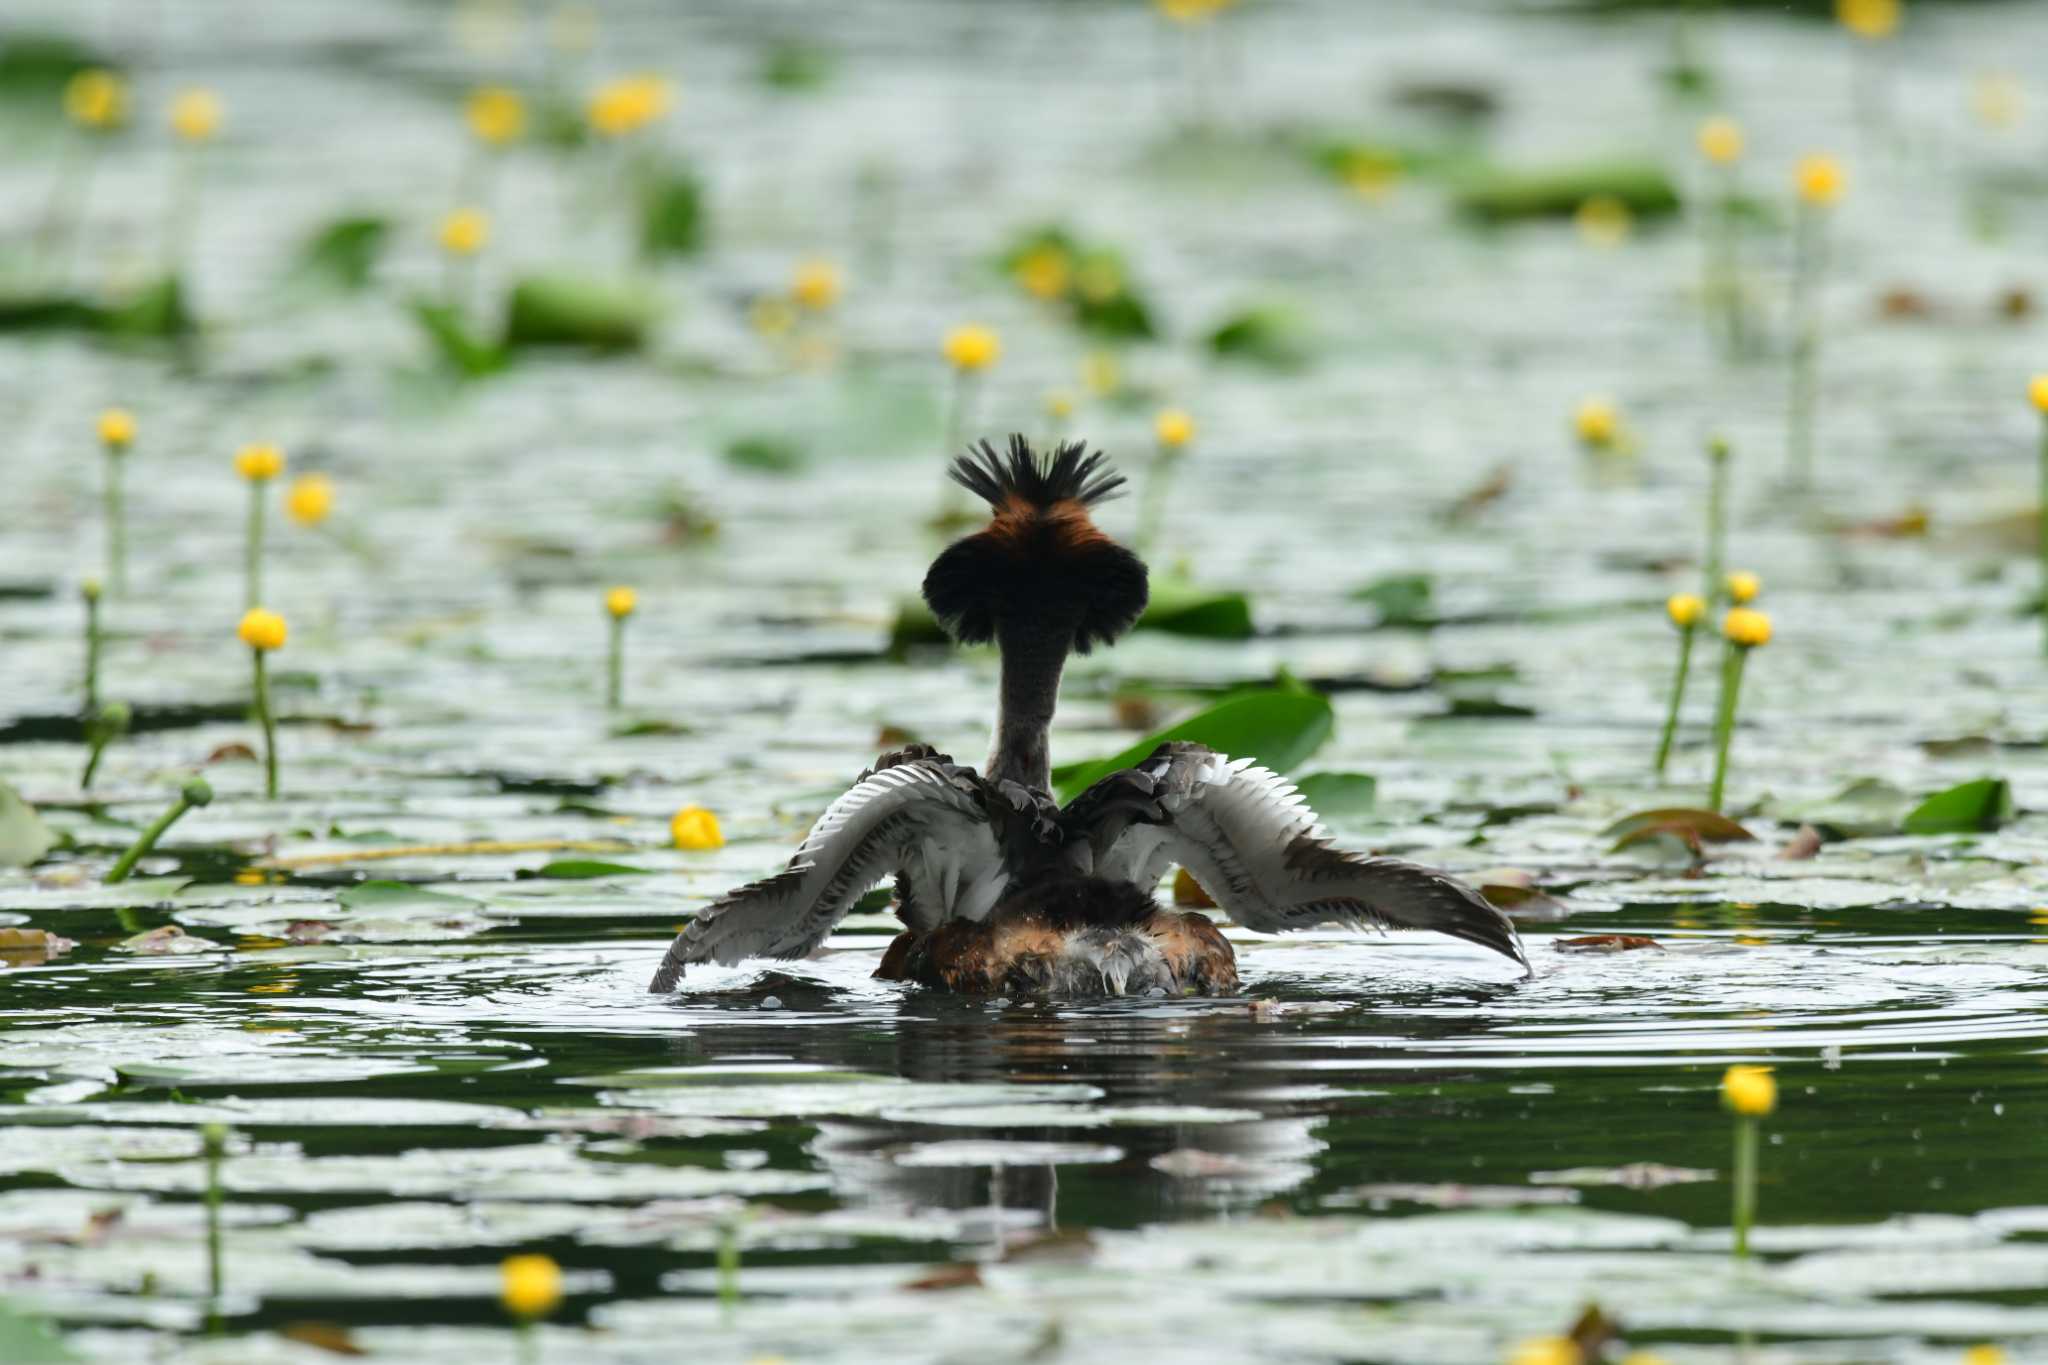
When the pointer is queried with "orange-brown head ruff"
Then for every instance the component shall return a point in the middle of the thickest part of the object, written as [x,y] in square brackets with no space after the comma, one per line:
[1041,565]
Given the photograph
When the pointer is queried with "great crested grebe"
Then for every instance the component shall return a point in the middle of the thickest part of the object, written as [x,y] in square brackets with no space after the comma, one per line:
[1002,890]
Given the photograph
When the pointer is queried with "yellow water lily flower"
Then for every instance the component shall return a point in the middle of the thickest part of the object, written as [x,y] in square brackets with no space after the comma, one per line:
[117,428]
[262,629]
[309,499]
[1597,422]
[1821,179]
[1871,19]
[1685,609]
[816,285]
[1747,627]
[696,829]
[1743,586]
[196,114]
[1547,1351]
[465,232]
[496,115]
[1721,140]
[621,602]
[972,347]
[629,104]
[2037,392]
[1174,428]
[1749,1090]
[530,1286]
[96,98]
[258,461]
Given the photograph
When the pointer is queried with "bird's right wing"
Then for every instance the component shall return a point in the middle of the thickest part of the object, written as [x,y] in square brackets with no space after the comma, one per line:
[921,819]
[1252,842]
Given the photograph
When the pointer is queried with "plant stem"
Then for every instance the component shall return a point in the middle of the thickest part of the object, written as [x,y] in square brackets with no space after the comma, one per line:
[215,1137]
[1152,507]
[1717,520]
[1685,637]
[141,847]
[1806,268]
[92,656]
[2042,533]
[252,569]
[264,718]
[729,1266]
[529,1344]
[615,683]
[114,504]
[1745,1181]
[1724,719]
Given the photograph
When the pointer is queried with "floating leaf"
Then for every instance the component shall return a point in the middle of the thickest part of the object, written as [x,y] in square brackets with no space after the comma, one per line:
[1605,943]
[566,310]
[1278,727]
[672,214]
[770,454]
[1691,827]
[581,869]
[462,350]
[1339,796]
[1403,599]
[1967,808]
[383,897]
[1495,195]
[1268,335]
[344,254]
[30,1341]
[23,835]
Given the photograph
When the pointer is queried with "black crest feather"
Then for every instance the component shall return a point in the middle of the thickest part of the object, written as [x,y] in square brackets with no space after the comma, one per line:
[1071,471]
[1040,569]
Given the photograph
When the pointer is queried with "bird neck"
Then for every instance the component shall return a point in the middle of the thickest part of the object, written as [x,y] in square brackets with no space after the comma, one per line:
[1032,661]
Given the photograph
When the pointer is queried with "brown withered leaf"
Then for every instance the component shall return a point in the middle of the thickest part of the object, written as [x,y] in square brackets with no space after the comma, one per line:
[331,1337]
[1606,943]
[1693,828]
[1187,891]
[958,1275]
[236,752]
[1803,845]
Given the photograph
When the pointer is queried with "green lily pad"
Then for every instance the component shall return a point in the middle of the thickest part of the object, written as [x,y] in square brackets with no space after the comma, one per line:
[1967,808]
[582,869]
[673,219]
[1402,599]
[23,835]
[461,349]
[343,254]
[1339,796]
[1276,726]
[1497,195]
[568,310]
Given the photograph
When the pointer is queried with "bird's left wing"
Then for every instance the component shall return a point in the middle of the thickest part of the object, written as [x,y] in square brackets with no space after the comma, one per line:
[921,819]
[1252,842]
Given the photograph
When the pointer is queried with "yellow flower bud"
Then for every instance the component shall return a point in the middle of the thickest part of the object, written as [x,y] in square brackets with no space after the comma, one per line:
[620,602]
[262,629]
[629,104]
[465,232]
[1059,404]
[530,1286]
[1174,428]
[117,428]
[1986,1354]
[1996,99]
[90,589]
[195,114]
[1604,221]
[1871,19]
[972,347]
[1547,1351]
[1192,11]
[1597,423]
[1820,180]
[1746,627]
[1101,373]
[696,829]
[1720,140]
[1045,272]
[309,499]
[1685,609]
[259,461]
[1749,1090]
[816,285]
[1743,586]
[495,115]
[2037,392]
[97,99]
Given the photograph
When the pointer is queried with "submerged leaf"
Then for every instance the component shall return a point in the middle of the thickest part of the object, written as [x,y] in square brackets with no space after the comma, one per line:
[1966,808]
